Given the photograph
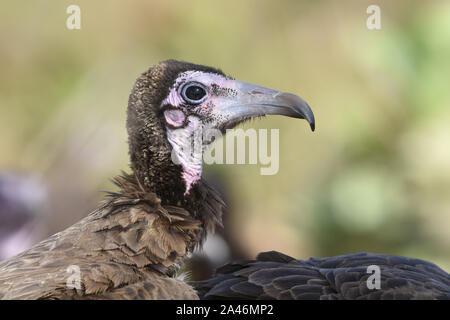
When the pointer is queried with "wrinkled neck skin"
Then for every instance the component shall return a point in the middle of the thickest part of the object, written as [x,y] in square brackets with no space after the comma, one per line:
[172,168]
[169,164]
[160,175]
[187,151]
[151,154]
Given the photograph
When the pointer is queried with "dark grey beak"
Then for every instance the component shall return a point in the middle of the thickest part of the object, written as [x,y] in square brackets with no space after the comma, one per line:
[253,101]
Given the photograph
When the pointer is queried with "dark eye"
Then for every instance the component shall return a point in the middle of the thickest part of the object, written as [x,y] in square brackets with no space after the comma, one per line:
[194,93]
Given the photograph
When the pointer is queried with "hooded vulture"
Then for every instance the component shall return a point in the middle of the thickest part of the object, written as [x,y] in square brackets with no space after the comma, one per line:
[133,244]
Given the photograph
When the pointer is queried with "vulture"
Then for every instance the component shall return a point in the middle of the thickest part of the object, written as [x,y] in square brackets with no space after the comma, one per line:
[133,245]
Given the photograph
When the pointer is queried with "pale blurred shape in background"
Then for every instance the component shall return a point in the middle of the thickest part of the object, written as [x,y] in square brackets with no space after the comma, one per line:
[375,176]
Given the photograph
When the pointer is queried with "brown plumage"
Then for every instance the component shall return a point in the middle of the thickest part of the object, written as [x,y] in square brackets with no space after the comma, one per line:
[129,248]
[133,244]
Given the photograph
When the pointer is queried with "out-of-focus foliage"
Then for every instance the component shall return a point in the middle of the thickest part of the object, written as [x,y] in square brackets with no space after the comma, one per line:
[375,176]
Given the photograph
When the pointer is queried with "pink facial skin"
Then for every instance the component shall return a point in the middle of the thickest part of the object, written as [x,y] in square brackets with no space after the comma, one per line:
[174,98]
[187,145]
[181,131]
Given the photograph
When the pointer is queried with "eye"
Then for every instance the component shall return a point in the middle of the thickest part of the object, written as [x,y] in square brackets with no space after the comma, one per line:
[194,93]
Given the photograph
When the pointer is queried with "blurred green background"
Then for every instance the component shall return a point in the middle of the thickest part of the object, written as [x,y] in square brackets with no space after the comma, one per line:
[375,176]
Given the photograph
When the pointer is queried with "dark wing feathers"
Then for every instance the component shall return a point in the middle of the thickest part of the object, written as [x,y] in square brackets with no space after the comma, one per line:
[274,256]
[274,275]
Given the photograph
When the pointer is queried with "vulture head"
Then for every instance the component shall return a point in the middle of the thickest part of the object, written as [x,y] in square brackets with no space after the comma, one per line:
[176,109]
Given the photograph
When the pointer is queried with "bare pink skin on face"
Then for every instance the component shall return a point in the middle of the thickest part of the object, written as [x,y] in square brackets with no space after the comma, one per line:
[187,145]
[174,98]
[183,134]
[207,79]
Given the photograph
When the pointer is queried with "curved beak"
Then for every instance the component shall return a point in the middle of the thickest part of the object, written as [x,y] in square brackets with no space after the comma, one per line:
[252,101]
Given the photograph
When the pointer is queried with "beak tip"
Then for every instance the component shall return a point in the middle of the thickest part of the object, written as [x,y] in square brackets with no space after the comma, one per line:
[308,115]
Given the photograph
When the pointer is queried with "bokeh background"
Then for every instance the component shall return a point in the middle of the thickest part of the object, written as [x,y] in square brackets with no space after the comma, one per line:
[375,176]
